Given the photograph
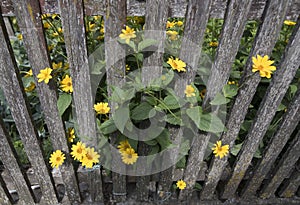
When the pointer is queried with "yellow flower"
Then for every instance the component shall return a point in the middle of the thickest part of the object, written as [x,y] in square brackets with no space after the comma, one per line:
[123,146]
[90,26]
[90,158]
[220,150]
[45,16]
[71,134]
[129,156]
[170,24]
[172,35]
[181,184]
[78,151]
[102,108]
[56,65]
[263,65]
[20,37]
[30,88]
[45,75]
[127,34]
[202,93]
[213,44]
[66,66]
[179,23]
[57,158]
[55,34]
[127,68]
[46,25]
[190,91]
[66,84]
[50,47]
[289,23]
[177,64]
[29,73]
[96,18]
[60,30]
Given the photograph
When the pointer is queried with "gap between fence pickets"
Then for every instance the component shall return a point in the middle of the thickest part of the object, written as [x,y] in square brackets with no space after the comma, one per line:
[289,122]
[262,45]
[137,8]
[274,94]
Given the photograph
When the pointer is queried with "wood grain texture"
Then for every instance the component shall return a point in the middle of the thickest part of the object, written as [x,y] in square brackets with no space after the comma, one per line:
[72,17]
[283,168]
[263,44]
[289,122]
[29,20]
[11,84]
[274,94]
[115,20]
[5,197]
[177,8]
[10,160]
[155,25]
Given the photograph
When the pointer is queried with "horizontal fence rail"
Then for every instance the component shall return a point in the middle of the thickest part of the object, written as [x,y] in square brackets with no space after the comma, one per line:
[274,179]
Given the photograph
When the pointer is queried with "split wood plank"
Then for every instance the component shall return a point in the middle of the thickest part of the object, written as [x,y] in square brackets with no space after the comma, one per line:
[72,16]
[289,122]
[12,86]
[5,197]
[232,31]
[283,168]
[10,160]
[115,19]
[274,94]
[30,23]
[263,45]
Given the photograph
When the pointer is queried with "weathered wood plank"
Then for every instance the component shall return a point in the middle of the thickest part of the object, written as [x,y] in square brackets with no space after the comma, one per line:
[274,94]
[155,25]
[289,122]
[177,8]
[290,187]
[72,17]
[115,76]
[263,45]
[28,16]
[11,84]
[10,160]
[5,197]
[283,168]
[196,18]
[232,29]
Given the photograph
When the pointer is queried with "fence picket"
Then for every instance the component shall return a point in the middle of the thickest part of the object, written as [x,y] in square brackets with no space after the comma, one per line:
[74,35]
[4,194]
[115,76]
[31,27]
[233,27]
[11,162]
[275,93]
[155,24]
[289,122]
[12,87]
[263,44]
[283,169]
[290,187]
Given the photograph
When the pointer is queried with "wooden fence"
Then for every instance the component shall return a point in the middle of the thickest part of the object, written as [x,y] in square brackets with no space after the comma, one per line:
[275,179]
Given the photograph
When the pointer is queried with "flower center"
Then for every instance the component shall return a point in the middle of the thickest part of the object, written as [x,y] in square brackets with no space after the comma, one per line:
[89,156]
[260,67]
[58,159]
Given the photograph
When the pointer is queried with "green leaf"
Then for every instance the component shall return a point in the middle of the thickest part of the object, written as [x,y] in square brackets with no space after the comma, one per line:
[108,127]
[181,163]
[235,149]
[121,117]
[141,112]
[151,142]
[121,96]
[206,122]
[164,139]
[219,100]
[198,186]
[230,91]
[63,102]
[174,119]
[97,67]
[146,43]
[170,102]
